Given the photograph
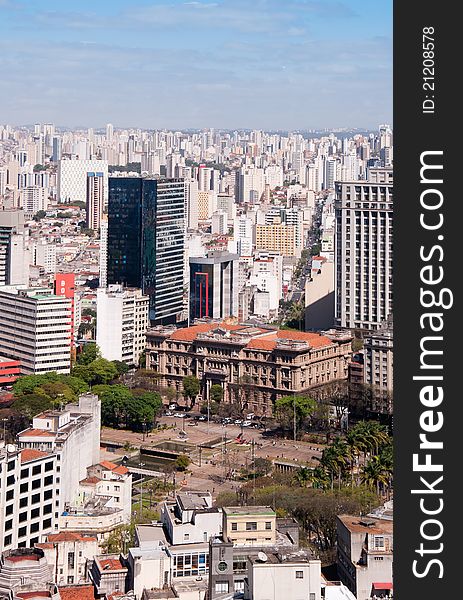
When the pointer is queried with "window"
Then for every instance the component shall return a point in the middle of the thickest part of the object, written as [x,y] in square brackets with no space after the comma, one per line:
[7,540]
[47,495]
[186,536]
[234,526]
[35,512]
[34,527]
[22,531]
[312,596]
[35,498]
[22,517]
[70,560]
[24,473]
[299,574]
[70,579]
[9,509]
[23,487]
[8,524]
[47,509]
[48,480]
[36,470]
[10,465]
[221,587]
[379,542]
[36,484]
[10,480]
[49,466]
[268,525]
[46,523]
[251,526]
[9,495]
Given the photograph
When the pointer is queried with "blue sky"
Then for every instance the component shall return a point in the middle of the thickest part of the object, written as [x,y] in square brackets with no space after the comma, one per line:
[287,64]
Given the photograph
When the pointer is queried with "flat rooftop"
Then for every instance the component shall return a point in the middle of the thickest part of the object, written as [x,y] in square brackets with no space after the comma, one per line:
[241,511]
[367,525]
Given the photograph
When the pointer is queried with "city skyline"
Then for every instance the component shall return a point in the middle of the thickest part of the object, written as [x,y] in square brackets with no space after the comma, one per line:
[198,64]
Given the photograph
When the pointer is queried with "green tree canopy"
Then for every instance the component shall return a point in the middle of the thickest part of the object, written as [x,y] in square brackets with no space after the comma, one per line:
[289,406]
[191,387]
[182,462]
[216,393]
[89,353]
[121,367]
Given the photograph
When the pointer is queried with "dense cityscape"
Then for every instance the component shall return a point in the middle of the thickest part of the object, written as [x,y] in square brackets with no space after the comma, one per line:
[196,360]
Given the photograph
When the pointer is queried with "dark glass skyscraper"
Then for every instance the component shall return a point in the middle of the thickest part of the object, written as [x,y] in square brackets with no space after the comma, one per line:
[146,233]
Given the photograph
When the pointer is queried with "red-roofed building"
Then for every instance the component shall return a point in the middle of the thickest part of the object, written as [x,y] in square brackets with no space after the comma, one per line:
[109,574]
[77,592]
[274,363]
[9,371]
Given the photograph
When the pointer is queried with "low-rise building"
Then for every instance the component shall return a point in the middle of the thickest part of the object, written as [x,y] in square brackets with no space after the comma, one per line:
[273,363]
[69,554]
[365,551]
[109,574]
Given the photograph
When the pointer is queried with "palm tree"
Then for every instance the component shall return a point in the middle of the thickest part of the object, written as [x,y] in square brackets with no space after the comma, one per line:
[303,476]
[374,474]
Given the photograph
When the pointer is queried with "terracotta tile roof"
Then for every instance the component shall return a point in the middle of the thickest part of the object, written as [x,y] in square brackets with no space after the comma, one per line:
[121,470]
[90,480]
[264,343]
[77,592]
[314,339]
[29,454]
[188,334]
[37,433]
[69,536]
[38,594]
[44,546]
[108,465]
[110,564]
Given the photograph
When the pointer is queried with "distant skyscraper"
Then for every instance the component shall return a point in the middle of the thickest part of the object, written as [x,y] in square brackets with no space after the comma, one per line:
[214,286]
[363,254]
[104,252]
[72,178]
[95,199]
[14,257]
[146,232]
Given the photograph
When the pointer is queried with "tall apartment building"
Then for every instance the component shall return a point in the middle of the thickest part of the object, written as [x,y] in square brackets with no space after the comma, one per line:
[44,255]
[251,184]
[277,362]
[73,179]
[36,329]
[280,238]
[95,199]
[146,233]
[29,483]
[64,284]
[214,286]
[363,253]
[14,257]
[122,320]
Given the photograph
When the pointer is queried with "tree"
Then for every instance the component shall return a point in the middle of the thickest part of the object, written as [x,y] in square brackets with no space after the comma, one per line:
[139,414]
[182,462]
[99,371]
[121,367]
[303,475]
[32,404]
[300,407]
[114,399]
[39,215]
[191,387]
[89,353]
[216,393]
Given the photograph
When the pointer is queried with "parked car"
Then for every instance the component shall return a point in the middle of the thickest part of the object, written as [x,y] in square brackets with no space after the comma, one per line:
[238,421]
[246,423]
[172,406]
[180,415]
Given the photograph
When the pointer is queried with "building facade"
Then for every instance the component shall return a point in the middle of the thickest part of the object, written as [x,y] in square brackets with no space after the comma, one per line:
[36,329]
[95,199]
[254,366]
[214,286]
[363,253]
[122,320]
[73,179]
[146,230]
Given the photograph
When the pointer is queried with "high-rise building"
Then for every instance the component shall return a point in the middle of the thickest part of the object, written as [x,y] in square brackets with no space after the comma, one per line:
[146,233]
[363,253]
[122,321]
[73,175]
[28,502]
[35,328]
[104,251]
[214,286]
[65,285]
[44,255]
[14,257]
[278,237]
[95,199]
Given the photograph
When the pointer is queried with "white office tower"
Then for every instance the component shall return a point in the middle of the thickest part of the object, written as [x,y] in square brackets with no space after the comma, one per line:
[226,203]
[251,184]
[73,175]
[243,235]
[33,198]
[219,223]
[14,255]
[28,502]
[44,255]
[3,180]
[109,132]
[295,216]
[95,199]
[331,173]
[204,178]
[122,320]
[73,434]
[363,253]
[35,328]
[191,201]
[274,176]
[103,259]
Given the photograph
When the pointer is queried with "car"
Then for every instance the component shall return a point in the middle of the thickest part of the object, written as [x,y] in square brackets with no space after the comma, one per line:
[249,416]
[172,406]
[180,415]
[238,421]
[246,423]
[202,418]
[169,413]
